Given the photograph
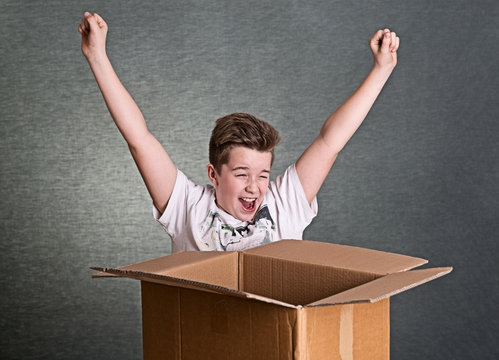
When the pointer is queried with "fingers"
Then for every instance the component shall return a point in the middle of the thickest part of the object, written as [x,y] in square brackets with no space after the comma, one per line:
[385,45]
[90,21]
[395,43]
[385,41]
[84,26]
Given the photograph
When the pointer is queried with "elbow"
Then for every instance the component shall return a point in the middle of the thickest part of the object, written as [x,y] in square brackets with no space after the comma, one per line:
[138,141]
[330,144]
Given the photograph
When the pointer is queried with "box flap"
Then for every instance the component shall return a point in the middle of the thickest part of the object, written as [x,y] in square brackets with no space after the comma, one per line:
[384,287]
[211,267]
[166,280]
[339,256]
[102,273]
[160,269]
[189,284]
[175,263]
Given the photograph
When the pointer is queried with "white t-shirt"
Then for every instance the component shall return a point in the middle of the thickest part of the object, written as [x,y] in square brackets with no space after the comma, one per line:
[195,222]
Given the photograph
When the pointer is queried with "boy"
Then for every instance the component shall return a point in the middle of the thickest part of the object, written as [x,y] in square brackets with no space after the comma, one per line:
[242,209]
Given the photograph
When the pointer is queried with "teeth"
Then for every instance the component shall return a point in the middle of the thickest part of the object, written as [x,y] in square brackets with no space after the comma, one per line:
[248,199]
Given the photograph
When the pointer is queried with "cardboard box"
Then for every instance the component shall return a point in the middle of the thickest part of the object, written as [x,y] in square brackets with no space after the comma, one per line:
[291,299]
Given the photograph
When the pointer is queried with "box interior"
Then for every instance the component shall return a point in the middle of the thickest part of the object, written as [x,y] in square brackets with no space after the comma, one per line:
[296,283]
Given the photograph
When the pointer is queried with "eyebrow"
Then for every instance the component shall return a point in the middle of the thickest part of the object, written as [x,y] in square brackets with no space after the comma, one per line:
[247,168]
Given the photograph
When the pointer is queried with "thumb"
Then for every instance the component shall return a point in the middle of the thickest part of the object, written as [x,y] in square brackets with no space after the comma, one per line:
[375,41]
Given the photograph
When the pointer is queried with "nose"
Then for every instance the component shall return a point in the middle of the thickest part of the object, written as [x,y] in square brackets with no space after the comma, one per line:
[251,186]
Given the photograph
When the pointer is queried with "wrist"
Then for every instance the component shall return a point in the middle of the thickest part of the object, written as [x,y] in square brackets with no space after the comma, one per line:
[382,70]
[96,57]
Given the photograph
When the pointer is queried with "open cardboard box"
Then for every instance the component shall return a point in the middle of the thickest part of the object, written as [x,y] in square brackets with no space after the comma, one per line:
[291,299]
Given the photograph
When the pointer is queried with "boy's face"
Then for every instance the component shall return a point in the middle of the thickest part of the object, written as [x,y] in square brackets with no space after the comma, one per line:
[243,182]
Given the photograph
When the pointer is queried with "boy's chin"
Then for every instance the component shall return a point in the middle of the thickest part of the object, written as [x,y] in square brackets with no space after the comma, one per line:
[245,215]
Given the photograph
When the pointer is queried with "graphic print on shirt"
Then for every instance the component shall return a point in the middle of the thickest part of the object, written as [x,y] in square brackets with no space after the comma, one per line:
[224,237]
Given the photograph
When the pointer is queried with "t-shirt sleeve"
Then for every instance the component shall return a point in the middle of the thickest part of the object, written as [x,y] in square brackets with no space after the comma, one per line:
[174,218]
[294,211]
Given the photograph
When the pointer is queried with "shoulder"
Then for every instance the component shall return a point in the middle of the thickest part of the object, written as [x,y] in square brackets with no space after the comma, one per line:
[193,192]
[187,195]
[286,191]
[288,178]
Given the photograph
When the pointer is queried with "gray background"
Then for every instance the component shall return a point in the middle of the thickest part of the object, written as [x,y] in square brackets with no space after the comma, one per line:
[420,177]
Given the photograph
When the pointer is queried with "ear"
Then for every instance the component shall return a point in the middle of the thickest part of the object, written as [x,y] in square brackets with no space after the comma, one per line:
[212,174]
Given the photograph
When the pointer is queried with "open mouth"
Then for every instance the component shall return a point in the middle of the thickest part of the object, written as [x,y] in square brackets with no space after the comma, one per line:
[248,203]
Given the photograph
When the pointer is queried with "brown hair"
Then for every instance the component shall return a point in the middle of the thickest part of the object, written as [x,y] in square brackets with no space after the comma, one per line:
[240,129]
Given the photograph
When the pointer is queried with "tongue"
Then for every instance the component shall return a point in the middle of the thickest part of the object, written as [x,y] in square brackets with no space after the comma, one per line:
[247,204]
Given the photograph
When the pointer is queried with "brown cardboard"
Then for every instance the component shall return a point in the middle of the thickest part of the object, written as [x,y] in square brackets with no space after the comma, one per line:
[384,287]
[340,256]
[290,299]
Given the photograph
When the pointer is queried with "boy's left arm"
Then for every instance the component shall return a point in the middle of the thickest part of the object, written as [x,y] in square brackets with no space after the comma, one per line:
[316,162]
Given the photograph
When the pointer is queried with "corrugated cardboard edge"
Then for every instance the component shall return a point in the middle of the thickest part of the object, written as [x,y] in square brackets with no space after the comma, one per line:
[271,301]
[165,280]
[102,273]
[172,281]
[384,287]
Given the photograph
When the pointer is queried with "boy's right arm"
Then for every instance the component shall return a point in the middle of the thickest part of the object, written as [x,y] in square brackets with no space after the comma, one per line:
[155,166]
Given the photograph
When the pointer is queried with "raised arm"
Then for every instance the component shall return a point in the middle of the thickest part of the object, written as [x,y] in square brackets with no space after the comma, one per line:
[317,160]
[154,164]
